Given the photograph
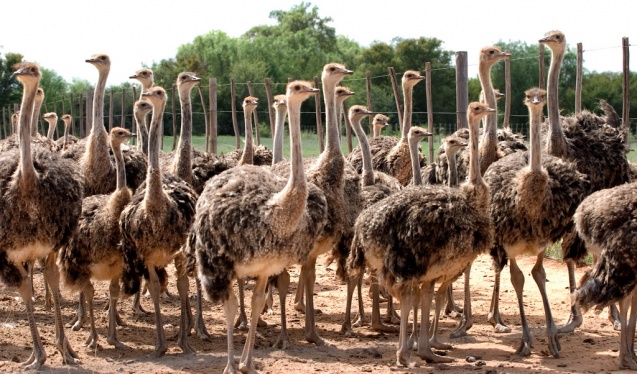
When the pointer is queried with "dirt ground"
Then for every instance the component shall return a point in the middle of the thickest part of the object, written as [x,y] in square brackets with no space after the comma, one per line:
[593,348]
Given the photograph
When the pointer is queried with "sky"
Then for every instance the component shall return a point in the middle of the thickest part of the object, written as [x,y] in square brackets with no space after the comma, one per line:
[61,35]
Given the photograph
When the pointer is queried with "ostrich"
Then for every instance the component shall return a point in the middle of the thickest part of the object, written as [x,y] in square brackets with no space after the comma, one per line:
[596,147]
[67,139]
[371,192]
[250,154]
[94,251]
[379,122]
[154,227]
[39,99]
[12,142]
[15,117]
[278,219]
[32,181]
[280,105]
[533,199]
[100,177]
[391,155]
[146,78]
[606,221]
[389,237]
[52,119]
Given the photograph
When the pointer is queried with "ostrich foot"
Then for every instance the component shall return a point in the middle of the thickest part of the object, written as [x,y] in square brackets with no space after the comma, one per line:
[300,307]
[461,330]
[554,344]
[160,350]
[392,317]
[627,362]
[439,345]
[431,357]
[499,326]
[68,354]
[185,346]
[37,359]
[360,321]
[381,327]
[140,311]
[77,323]
[524,349]
[312,337]
[346,329]
[282,342]
[115,342]
[574,321]
[119,321]
[200,329]
[247,367]
[404,359]
[241,323]
[262,323]
[91,341]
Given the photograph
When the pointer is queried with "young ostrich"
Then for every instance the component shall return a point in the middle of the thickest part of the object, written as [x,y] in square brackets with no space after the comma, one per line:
[52,119]
[40,203]
[533,199]
[251,154]
[606,221]
[389,237]
[280,105]
[596,147]
[67,139]
[277,220]
[154,227]
[379,122]
[94,251]
[146,78]
[12,142]
[391,155]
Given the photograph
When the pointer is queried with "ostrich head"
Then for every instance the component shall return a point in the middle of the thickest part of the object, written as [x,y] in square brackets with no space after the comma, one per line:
[143,76]
[51,117]
[280,101]
[187,80]
[453,144]
[120,135]
[67,119]
[411,78]
[343,92]
[358,112]
[555,40]
[478,110]
[299,91]
[250,103]
[334,73]
[417,133]
[28,72]
[101,61]
[492,54]
[156,96]
[535,96]
[142,106]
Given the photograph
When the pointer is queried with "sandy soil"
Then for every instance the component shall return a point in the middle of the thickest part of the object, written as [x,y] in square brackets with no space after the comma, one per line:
[591,349]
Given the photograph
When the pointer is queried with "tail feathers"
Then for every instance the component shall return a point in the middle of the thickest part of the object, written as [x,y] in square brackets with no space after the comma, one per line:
[612,118]
[573,247]
[605,284]
[499,257]
[216,275]
[356,259]
[9,273]
[133,267]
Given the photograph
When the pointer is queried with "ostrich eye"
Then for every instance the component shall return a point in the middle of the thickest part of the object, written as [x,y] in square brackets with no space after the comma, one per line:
[332,68]
[297,88]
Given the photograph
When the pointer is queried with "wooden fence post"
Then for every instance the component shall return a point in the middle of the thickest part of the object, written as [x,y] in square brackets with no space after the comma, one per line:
[270,97]
[399,107]
[506,123]
[72,116]
[233,107]
[348,126]
[89,112]
[212,82]
[430,114]
[626,88]
[133,122]
[368,86]
[81,117]
[578,81]
[254,115]
[203,109]
[174,115]
[111,111]
[319,121]
[462,89]
[542,84]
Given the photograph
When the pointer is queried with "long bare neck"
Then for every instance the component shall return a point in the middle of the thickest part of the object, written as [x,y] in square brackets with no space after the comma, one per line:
[142,131]
[415,162]
[376,130]
[153,177]
[556,143]
[408,91]
[331,128]
[182,165]
[535,162]
[489,146]
[66,134]
[453,169]
[98,104]
[368,170]
[37,105]
[50,131]
[475,177]
[279,129]
[119,165]
[247,158]
[291,201]
[28,173]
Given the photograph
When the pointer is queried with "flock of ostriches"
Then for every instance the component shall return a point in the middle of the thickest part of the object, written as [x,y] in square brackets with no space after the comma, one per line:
[97,209]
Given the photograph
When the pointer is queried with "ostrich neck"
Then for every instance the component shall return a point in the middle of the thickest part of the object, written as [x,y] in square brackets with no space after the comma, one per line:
[66,134]
[475,176]
[290,203]
[556,142]
[142,131]
[247,158]
[27,170]
[453,169]
[119,166]
[333,139]
[98,103]
[489,146]
[36,114]
[407,93]
[368,171]
[153,178]
[97,141]
[415,162]
[535,162]
[50,131]
[339,117]
[279,129]
[182,165]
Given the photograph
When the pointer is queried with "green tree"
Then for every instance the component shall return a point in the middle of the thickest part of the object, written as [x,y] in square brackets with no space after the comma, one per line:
[10,91]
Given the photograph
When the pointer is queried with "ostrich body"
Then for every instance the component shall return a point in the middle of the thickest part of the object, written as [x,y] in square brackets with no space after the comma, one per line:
[391,155]
[279,218]
[94,251]
[606,221]
[155,225]
[389,237]
[67,139]
[52,119]
[370,194]
[533,199]
[33,181]
[596,147]
[146,78]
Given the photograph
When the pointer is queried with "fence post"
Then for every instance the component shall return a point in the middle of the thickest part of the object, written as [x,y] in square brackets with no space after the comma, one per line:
[133,122]
[319,121]
[203,109]
[81,123]
[212,82]
[626,88]
[111,117]
[462,89]
[578,81]
[399,107]
[268,92]
[542,84]
[88,119]
[233,107]
[254,115]
[348,126]
[174,116]
[430,114]
[506,123]
[368,86]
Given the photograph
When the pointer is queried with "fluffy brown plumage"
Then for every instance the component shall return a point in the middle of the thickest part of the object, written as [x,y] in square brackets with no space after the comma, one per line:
[606,221]
[533,199]
[252,223]
[389,154]
[155,225]
[94,250]
[40,203]
[390,236]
